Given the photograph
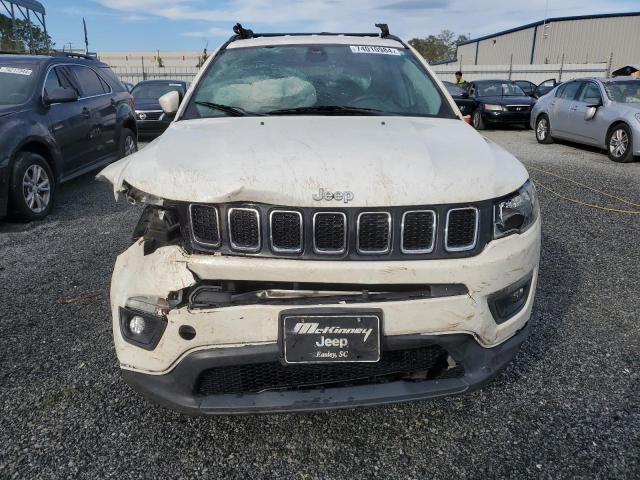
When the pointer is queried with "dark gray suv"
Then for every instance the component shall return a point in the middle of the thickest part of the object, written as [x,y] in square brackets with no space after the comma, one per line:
[60,117]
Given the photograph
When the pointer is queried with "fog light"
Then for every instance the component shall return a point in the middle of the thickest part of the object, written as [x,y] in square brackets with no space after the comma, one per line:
[509,301]
[137,325]
[140,328]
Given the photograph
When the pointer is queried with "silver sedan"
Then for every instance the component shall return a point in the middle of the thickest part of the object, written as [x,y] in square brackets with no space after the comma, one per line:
[602,112]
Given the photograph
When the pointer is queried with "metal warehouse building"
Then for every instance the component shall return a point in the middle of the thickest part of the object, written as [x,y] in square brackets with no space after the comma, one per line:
[612,38]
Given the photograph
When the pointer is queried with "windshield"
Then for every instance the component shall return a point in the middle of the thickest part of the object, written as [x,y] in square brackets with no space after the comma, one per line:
[317,80]
[454,90]
[627,91]
[153,91]
[16,80]
[498,89]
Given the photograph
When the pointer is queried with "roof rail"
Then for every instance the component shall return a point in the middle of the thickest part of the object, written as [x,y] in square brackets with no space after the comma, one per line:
[59,53]
[242,33]
[384,30]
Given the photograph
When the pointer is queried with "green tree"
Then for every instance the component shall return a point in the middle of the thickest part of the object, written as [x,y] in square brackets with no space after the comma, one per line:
[435,48]
[40,42]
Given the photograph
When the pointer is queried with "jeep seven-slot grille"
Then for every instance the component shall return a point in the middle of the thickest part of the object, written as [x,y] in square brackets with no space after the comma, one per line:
[204,224]
[399,232]
[244,229]
[374,232]
[286,231]
[423,363]
[329,232]
[461,229]
[418,231]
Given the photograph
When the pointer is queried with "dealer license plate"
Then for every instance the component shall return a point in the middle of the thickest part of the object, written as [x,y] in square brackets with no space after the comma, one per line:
[333,337]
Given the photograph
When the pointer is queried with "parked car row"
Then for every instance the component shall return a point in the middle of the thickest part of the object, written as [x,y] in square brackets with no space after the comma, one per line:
[62,116]
[604,113]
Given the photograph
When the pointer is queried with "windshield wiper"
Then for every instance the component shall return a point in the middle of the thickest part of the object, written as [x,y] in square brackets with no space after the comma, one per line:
[328,109]
[228,109]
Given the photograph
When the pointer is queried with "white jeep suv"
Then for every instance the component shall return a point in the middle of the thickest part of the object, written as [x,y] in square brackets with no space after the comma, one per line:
[322,230]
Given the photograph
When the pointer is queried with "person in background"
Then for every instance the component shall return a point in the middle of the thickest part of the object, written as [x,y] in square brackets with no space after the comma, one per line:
[459,80]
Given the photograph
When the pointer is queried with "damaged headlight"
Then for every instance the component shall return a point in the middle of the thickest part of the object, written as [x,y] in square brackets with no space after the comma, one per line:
[159,224]
[135,196]
[516,213]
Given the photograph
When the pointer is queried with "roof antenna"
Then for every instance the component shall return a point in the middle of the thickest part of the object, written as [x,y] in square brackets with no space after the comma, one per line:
[243,33]
[384,29]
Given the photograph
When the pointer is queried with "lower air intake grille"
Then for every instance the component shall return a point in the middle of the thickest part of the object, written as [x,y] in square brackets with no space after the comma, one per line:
[244,229]
[204,223]
[329,232]
[286,231]
[462,224]
[418,232]
[422,363]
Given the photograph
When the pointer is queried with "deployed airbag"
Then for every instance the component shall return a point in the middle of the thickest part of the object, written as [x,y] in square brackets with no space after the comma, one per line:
[266,95]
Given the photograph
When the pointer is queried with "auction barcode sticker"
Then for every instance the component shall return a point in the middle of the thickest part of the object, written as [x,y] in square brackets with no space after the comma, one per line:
[16,71]
[375,49]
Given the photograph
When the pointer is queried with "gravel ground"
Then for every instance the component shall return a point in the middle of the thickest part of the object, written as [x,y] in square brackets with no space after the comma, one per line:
[568,406]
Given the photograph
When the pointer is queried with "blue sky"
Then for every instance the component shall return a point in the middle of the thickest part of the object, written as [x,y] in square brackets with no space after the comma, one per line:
[130,25]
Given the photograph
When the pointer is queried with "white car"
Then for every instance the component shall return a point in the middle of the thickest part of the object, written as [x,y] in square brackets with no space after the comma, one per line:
[322,230]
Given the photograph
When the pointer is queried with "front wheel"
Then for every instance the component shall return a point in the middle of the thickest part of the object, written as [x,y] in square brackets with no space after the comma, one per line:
[620,144]
[478,122]
[128,143]
[543,130]
[32,187]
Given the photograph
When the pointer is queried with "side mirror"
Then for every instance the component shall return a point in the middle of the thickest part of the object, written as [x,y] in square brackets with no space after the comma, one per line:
[170,102]
[591,112]
[61,95]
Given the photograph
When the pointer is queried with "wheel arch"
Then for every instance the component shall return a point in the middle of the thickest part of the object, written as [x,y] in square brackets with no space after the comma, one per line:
[42,149]
[614,124]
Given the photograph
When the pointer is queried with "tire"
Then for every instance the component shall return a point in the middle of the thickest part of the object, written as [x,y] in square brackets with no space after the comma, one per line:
[620,144]
[543,130]
[128,143]
[477,121]
[32,187]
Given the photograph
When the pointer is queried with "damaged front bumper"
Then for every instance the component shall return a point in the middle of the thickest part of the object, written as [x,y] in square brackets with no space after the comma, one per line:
[176,389]
[458,335]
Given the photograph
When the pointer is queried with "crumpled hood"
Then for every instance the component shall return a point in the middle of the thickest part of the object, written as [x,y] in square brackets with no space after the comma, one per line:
[286,160]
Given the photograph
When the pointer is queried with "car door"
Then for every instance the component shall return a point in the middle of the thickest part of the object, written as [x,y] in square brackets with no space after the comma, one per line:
[66,121]
[559,108]
[579,127]
[100,110]
[526,86]
[544,87]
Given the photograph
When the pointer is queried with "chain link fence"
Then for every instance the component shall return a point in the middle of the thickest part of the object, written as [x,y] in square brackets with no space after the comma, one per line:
[137,74]
[533,73]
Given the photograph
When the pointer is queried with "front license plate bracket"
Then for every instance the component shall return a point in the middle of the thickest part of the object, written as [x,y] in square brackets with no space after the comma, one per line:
[330,335]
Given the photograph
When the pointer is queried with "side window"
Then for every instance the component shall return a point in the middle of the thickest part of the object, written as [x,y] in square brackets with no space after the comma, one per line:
[569,92]
[590,94]
[89,82]
[560,90]
[52,82]
[112,79]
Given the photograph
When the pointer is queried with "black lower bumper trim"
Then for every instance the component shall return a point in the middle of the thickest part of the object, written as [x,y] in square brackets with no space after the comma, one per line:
[176,389]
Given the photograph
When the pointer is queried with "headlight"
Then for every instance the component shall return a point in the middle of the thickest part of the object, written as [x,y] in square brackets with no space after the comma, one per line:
[138,196]
[493,108]
[516,213]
